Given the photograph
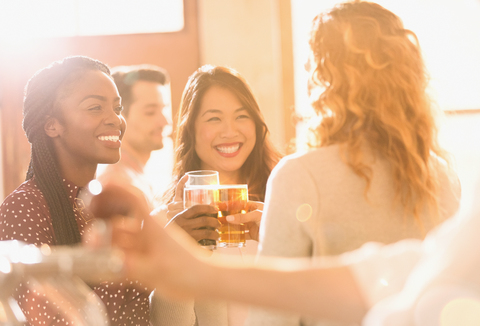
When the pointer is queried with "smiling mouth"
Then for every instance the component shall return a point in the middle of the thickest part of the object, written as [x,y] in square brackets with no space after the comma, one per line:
[228,149]
[109,138]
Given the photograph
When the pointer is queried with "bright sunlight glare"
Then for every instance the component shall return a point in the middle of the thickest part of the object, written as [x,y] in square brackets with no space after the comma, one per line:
[5,266]
[95,187]
[20,19]
[464,311]
[449,35]
[29,254]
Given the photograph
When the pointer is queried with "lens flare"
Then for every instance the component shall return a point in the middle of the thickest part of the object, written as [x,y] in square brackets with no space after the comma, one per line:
[95,187]
[463,311]
[304,212]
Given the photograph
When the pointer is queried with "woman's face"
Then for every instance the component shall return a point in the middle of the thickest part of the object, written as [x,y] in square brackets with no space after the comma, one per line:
[91,126]
[224,132]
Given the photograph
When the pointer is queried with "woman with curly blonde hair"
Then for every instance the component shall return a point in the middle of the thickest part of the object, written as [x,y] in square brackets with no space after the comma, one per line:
[376,172]
[375,81]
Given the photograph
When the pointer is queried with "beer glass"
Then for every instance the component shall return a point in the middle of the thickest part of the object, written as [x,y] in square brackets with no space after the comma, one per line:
[232,199]
[200,189]
[202,178]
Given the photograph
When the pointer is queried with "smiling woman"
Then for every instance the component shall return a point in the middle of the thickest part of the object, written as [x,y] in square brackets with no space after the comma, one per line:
[72,118]
[221,98]
[56,123]
[220,127]
[89,123]
[224,134]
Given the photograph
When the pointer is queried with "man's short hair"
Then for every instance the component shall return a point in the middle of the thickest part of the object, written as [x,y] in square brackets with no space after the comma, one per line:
[126,76]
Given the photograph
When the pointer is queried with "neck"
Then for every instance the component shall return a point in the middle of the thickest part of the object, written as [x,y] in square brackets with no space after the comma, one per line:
[141,157]
[230,178]
[78,171]
[80,175]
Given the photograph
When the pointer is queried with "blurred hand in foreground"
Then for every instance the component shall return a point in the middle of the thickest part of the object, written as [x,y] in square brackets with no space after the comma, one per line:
[156,257]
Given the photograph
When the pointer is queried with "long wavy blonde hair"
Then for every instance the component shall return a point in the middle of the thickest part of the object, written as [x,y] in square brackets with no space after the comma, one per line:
[374,94]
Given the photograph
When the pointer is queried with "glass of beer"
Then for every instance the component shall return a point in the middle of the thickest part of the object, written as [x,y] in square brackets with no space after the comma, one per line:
[232,199]
[201,189]
[202,178]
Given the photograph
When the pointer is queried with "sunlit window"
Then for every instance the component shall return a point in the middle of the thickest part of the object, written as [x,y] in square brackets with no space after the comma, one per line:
[449,35]
[60,18]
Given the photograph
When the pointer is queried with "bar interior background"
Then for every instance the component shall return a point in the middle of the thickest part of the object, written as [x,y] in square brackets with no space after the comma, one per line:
[265,40]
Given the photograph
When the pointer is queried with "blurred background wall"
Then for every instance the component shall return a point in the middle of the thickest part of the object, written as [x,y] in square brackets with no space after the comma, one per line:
[265,40]
[22,53]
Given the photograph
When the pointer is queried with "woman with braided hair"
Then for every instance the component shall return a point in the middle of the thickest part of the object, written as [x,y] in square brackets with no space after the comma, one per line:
[72,119]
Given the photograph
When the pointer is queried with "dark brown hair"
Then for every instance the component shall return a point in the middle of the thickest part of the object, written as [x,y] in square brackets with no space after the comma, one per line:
[126,76]
[256,169]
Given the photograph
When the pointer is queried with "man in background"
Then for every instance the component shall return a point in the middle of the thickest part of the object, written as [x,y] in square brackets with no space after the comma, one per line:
[146,98]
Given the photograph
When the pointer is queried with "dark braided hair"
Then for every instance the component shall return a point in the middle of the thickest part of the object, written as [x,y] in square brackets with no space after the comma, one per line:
[39,103]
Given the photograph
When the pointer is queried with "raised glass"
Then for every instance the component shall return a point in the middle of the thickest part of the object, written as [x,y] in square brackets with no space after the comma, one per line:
[200,189]
[232,199]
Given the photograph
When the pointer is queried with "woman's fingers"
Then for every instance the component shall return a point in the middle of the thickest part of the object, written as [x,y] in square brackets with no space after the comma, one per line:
[195,211]
[176,206]
[254,205]
[126,236]
[253,216]
[173,209]
[251,220]
[199,221]
[179,189]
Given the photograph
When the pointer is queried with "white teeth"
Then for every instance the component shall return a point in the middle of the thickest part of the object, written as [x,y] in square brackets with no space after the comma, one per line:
[109,138]
[228,149]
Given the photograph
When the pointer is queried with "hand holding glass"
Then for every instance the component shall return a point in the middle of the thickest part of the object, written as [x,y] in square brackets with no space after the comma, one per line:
[200,189]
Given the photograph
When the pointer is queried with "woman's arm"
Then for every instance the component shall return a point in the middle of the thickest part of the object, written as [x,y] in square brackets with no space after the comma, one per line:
[326,293]
[173,263]
[323,292]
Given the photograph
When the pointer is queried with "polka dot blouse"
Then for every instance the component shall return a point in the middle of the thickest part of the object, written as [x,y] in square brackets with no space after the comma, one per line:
[24,216]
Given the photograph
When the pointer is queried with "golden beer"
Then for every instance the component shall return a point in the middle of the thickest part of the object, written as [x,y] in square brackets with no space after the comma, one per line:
[232,199]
